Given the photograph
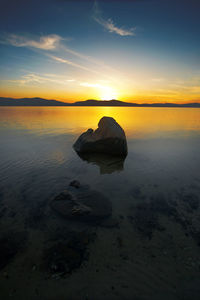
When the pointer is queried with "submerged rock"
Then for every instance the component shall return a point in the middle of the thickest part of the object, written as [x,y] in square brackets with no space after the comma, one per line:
[66,255]
[108,138]
[145,220]
[146,215]
[75,183]
[82,204]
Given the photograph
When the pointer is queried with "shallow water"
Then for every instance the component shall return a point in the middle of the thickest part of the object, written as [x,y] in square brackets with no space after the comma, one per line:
[153,252]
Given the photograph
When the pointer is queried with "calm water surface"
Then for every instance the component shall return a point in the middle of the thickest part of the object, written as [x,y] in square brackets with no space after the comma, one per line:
[154,258]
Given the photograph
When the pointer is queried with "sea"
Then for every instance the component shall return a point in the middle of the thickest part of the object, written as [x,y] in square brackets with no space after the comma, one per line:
[148,249]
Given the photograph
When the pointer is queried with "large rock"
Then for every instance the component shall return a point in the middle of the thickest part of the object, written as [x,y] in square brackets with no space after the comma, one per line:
[108,138]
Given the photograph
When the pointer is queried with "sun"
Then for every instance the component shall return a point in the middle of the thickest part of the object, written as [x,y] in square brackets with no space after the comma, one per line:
[108,93]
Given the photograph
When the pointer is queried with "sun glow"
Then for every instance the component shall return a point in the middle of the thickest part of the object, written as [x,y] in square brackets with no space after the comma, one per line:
[108,93]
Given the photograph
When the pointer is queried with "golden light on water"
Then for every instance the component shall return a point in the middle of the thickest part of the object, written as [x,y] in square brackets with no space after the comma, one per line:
[137,122]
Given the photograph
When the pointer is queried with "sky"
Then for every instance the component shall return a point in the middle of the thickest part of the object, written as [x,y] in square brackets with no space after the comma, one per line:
[130,50]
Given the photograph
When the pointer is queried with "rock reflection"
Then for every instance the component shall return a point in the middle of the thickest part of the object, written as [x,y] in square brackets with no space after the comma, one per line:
[107,163]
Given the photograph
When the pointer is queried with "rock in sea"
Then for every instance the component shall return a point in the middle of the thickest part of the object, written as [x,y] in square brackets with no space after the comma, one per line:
[82,204]
[108,138]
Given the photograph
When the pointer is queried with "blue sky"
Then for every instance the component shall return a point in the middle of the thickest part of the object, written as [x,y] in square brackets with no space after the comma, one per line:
[70,50]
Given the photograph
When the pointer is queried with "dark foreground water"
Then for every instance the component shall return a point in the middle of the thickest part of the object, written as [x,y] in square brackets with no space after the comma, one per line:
[148,249]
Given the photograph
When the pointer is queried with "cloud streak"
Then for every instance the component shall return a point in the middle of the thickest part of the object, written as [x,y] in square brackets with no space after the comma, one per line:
[110,25]
[53,42]
[73,64]
[41,79]
[112,28]
[48,42]
[93,85]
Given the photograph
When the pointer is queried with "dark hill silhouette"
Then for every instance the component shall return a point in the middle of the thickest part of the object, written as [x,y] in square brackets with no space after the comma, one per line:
[43,102]
[113,102]
[30,102]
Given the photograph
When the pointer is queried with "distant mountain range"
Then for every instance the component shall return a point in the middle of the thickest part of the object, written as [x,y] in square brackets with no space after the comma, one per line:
[44,102]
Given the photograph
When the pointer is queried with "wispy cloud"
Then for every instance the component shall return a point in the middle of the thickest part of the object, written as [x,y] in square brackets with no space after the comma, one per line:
[157,80]
[32,78]
[47,42]
[71,63]
[81,67]
[110,25]
[89,59]
[112,28]
[94,85]
[54,42]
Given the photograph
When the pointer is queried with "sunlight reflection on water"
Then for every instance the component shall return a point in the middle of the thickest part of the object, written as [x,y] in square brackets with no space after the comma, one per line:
[137,122]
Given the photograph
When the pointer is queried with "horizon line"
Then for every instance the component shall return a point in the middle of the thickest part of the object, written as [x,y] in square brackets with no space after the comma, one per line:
[122,101]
